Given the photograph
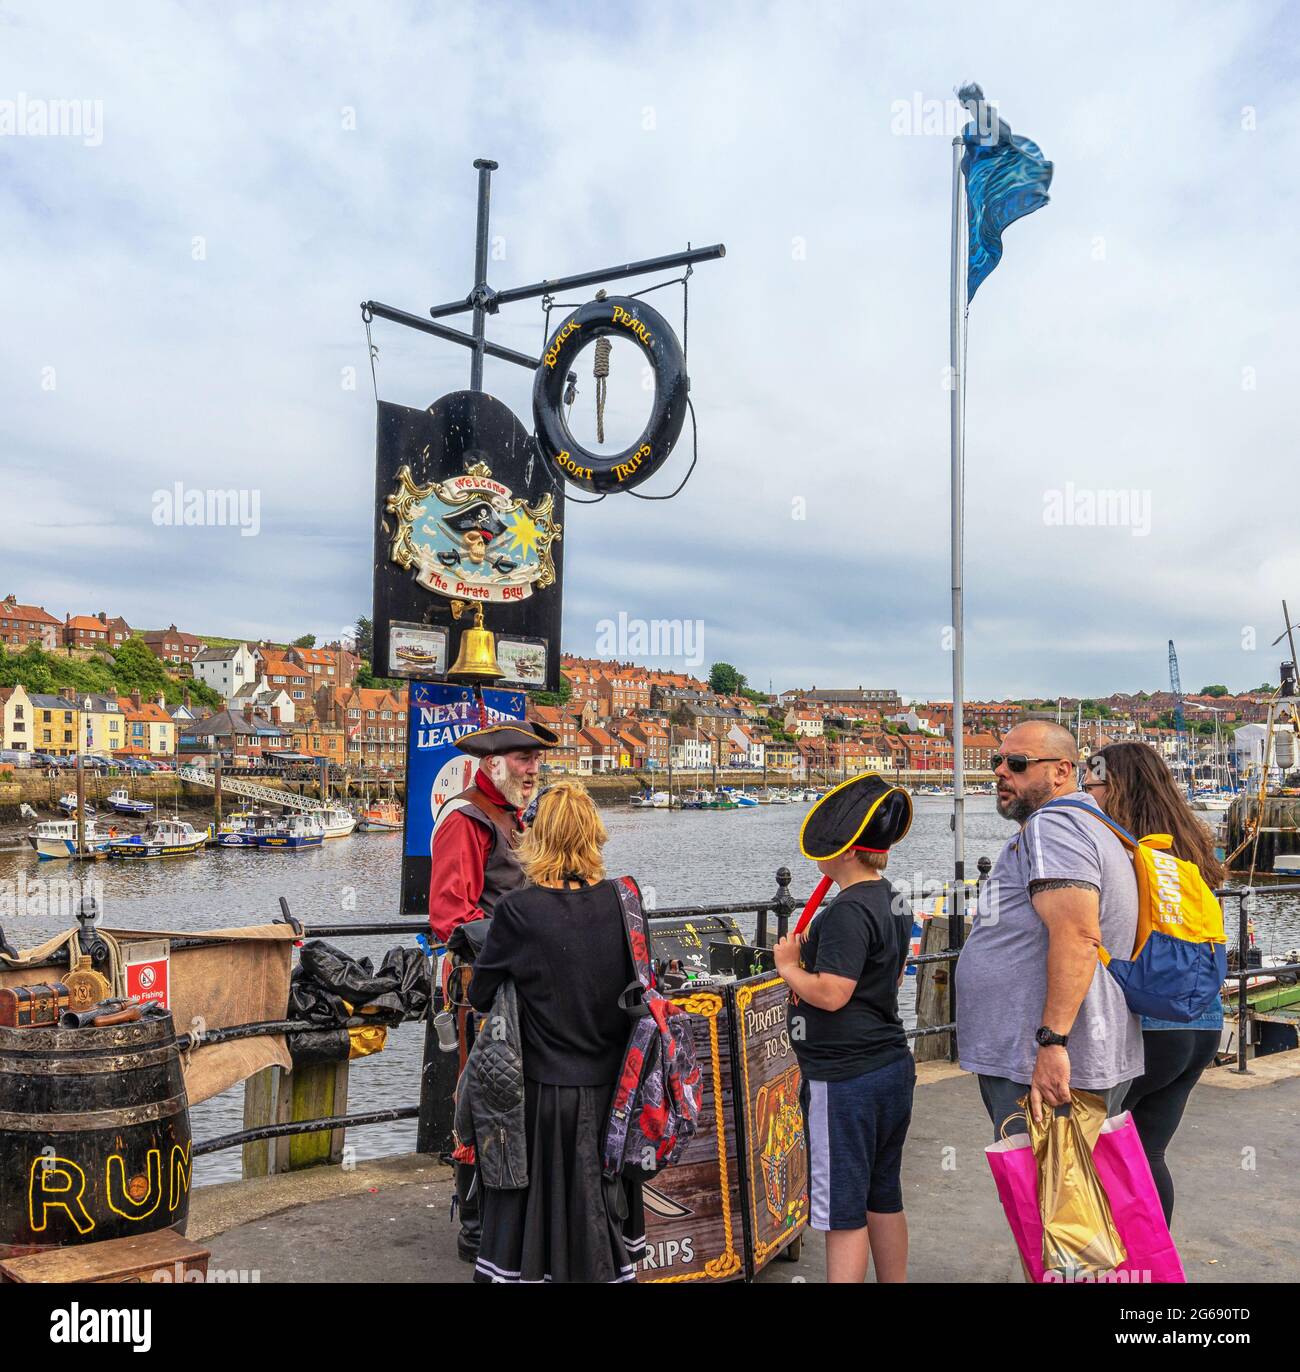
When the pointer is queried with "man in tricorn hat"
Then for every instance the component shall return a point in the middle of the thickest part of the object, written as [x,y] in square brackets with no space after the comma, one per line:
[843,969]
[474,864]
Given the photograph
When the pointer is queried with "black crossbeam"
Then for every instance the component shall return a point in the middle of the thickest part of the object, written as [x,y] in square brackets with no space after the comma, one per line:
[564,283]
[445,331]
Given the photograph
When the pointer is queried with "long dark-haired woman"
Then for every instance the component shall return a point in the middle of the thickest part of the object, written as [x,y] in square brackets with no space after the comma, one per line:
[1132,784]
[562,941]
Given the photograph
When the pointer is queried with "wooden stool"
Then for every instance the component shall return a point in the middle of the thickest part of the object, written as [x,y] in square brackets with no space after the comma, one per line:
[162,1256]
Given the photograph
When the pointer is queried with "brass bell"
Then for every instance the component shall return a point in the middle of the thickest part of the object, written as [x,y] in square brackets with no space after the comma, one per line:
[477,658]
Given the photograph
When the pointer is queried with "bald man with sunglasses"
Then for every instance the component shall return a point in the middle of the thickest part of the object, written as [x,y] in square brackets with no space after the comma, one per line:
[1036,1012]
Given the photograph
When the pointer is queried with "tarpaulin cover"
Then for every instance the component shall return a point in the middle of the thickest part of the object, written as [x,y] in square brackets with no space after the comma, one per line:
[240,977]
[329,986]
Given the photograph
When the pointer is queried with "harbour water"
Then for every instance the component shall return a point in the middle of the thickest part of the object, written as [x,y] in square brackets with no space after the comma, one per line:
[680,858]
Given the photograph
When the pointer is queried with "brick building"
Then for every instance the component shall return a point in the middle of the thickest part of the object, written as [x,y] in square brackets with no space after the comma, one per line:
[24,624]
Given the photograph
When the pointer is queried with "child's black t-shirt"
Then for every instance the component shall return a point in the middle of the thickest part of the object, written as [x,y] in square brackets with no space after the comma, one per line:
[859,935]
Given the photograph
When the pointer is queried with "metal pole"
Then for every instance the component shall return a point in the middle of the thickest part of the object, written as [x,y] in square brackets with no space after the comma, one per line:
[1243,958]
[957,370]
[593,278]
[485,169]
[80,831]
[449,335]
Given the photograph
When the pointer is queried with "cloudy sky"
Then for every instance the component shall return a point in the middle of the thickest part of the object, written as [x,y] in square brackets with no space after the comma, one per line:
[182,282]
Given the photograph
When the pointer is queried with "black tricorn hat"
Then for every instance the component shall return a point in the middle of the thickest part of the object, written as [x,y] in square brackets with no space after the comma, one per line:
[507,738]
[865,813]
[480,518]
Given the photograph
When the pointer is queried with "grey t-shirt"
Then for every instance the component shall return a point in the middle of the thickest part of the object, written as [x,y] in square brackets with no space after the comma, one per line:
[1002,971]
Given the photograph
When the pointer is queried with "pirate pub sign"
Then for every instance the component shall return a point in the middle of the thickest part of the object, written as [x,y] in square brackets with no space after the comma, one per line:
[468,513]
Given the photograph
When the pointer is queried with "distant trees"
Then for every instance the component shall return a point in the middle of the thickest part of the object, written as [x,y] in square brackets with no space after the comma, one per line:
[364,634]
[1215,691]
[306,641]
[725,680]
[133,667]
[560,697]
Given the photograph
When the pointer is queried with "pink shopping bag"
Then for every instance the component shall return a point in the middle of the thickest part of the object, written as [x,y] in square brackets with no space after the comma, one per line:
[1126,1176]
[1134,1202]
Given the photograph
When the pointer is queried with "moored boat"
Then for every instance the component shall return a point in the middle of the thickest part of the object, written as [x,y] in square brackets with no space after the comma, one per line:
[120,800]
[57,838]
[381,817]
[241,828]
[338,822]
[163,838]
[295,831]
[68,804]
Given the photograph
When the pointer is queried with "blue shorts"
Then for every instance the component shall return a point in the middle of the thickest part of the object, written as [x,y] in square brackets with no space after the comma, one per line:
[856,1130]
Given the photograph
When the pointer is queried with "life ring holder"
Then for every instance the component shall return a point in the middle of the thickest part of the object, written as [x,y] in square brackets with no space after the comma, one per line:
[618,317]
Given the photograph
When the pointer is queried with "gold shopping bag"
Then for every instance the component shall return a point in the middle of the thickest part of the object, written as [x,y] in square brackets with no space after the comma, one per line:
[1079,1233]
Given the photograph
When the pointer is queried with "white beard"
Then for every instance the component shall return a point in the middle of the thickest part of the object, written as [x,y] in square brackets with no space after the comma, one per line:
[510,786]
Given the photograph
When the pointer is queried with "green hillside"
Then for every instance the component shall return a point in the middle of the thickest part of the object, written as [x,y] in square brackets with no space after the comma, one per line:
[132,668]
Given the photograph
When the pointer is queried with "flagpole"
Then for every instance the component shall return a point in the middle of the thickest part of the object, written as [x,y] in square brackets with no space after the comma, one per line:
[957,378]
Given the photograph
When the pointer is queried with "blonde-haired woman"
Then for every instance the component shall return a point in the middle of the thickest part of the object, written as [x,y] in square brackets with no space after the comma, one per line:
[561,940]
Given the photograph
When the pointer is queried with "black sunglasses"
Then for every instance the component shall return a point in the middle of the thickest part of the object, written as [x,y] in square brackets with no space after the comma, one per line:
[1017,762]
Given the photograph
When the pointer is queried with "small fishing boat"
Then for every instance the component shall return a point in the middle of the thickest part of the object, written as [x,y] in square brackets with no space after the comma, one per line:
[120,801]
[740,798]
[338,822]
[163,838]
[292,833]
[57,838]
[68,804]
[383,816]
[243,826]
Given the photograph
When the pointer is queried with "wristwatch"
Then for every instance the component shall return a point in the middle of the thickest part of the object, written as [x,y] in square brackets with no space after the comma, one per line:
[1047,1039]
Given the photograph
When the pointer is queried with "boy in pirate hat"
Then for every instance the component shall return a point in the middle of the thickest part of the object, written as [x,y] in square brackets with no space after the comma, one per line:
[843,969]
[474,864]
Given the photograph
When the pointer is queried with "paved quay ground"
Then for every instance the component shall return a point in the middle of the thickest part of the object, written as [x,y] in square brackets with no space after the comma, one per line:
[1234,1164]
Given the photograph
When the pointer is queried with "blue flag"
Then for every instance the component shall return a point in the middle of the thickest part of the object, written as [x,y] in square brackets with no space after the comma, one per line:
[1006,178]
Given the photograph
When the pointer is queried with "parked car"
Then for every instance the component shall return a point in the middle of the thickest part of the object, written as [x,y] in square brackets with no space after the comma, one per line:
[15,757]
[161,766]
[44,760]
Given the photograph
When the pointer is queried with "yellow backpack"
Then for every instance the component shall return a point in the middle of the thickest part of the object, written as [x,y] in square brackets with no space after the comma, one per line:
[1180,954]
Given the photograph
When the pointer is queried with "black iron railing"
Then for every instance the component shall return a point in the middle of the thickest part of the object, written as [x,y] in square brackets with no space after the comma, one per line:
[437,1073]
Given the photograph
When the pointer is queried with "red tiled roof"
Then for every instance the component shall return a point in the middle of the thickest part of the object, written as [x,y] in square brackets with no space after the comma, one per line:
[35,614]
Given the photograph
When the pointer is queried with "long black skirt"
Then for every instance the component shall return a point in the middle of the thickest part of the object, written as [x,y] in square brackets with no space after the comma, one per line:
[569,1224]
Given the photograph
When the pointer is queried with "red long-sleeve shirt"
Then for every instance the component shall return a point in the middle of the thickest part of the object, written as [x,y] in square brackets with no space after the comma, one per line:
[460,852]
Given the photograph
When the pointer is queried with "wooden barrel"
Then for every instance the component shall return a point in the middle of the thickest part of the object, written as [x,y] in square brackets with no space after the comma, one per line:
[94,1135]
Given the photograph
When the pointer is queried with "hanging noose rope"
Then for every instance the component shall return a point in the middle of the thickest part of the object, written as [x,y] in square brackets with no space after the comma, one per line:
[601,372]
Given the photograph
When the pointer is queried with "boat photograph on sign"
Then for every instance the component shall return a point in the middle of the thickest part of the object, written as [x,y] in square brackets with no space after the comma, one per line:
[636,650]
